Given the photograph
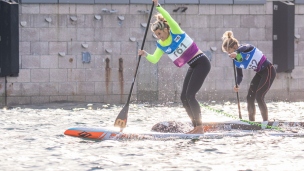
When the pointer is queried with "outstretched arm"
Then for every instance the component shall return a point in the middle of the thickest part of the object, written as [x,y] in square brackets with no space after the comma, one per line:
[174,26]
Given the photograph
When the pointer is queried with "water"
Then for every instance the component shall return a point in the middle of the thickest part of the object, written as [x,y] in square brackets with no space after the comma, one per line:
[32,139]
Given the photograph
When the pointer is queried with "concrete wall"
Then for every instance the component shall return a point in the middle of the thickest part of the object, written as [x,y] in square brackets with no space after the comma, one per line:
[53,37]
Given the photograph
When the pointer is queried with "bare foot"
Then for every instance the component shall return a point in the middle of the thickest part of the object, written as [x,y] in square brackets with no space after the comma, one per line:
[190,132]
[199,129]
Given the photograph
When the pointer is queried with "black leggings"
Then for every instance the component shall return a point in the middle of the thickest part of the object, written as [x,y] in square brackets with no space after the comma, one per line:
[259,86]
[195,77]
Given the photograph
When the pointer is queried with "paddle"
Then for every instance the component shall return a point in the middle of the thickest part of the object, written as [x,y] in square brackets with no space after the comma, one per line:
[237,93]
[121,120]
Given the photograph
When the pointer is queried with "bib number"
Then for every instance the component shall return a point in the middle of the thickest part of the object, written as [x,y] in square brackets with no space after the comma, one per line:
[180,50]
[253,64]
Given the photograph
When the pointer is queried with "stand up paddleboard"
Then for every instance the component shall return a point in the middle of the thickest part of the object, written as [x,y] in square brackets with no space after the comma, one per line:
[104,133]
[235,129]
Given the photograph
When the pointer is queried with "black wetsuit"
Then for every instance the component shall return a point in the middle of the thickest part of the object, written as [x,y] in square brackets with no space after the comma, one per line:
[195,77]
[259,85]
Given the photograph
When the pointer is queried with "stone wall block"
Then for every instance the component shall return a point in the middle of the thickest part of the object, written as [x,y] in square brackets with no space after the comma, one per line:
[40,99]
[25,48]
[240,9]
[56,47]
[12,100]
[49,8]
[103,88]
[67,88]
[30,9]
[247,21]
[223,9]
[23,77]
[257,34]
[48,89]
[301,59]
[58,98]
[29,34]
[114,46]
[58,75]
[40,75]
[48,34]
[89,21]
[30,61]
[93,75]
[39,21]
[69,61]
[265,46]
[49,61]
[14,89]
[63,20]
[257,9]
[66,34]
[74,48]
[84,9]
[297,73]
[216,21]
[30,89]
[76,98]
[67,9]
[232,21]
[85,34]
[39,48]
[76,75]
[85,88]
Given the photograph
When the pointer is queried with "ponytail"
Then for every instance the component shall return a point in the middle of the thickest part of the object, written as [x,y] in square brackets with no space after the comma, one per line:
[160,23]
[228,41]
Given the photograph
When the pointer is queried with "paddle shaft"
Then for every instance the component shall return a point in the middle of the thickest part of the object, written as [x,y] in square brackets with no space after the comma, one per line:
[142,47]
[237,93]
[122,117]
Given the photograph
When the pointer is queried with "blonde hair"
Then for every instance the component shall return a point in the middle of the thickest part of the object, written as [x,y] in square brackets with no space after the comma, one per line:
[229,41]
[160,23]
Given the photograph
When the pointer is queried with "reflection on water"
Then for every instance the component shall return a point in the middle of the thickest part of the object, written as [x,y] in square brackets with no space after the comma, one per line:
[32,139]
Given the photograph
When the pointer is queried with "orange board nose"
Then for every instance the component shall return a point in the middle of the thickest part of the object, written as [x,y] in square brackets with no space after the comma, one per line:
[84,134]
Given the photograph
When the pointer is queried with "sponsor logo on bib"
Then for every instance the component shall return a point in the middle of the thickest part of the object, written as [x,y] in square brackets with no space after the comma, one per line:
[169,50]
[177,38]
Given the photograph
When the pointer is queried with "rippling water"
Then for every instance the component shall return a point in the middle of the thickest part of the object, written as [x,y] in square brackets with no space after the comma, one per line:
[32,139]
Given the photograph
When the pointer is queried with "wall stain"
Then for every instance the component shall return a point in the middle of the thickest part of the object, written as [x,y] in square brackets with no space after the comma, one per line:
[108,74]
[10,89]
[121,79]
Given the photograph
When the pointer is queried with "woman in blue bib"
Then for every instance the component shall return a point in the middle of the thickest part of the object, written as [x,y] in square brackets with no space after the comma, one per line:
[249,57]
[182,50]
